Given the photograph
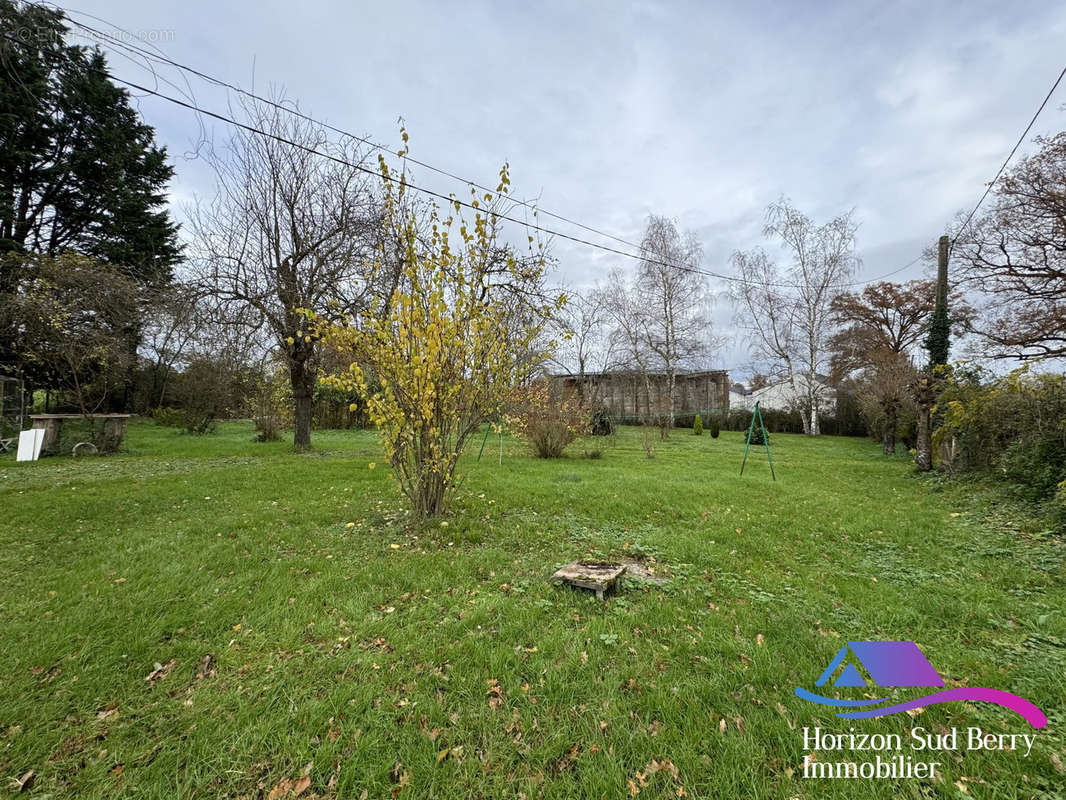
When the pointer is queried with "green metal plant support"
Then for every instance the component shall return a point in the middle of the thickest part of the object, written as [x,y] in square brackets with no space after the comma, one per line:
[499,426]
[757,415]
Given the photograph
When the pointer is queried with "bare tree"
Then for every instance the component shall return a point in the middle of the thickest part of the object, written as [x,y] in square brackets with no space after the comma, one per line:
[660,317]
[176,320]
[582,335]
[1015,256]
[290,231]
[673,300]
[788,312]
[884,394]
[627,341]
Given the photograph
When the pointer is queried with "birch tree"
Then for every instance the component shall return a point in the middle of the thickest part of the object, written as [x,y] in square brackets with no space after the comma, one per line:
[787,311]
[672,300]
[660,316]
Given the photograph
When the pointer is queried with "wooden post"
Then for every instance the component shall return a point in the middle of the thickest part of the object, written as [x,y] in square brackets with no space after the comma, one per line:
[937,344]
[942,274]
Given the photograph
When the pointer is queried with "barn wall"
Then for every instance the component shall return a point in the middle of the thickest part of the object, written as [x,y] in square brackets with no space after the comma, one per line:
[625,394]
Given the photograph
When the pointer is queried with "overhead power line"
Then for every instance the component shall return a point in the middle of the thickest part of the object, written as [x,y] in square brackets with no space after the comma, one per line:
[1010,155]
[640,256]
[159,58]
[450,199]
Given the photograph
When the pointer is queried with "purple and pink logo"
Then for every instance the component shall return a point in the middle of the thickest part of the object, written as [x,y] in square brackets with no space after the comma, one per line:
[902,664]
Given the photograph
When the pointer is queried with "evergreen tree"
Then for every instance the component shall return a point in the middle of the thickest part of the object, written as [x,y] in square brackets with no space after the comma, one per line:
[79,170]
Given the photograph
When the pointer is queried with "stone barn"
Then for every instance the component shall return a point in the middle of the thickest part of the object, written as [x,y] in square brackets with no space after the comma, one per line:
[625,393]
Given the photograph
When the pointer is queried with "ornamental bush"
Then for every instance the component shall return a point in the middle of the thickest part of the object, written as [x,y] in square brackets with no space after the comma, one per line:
[715,427]
[272,408]
[547,419]
[697,425]
[454,337]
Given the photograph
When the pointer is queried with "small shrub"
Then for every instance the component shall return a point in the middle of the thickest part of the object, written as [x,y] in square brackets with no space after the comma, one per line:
[272,408]
[601,423]
[199,421]
[169,417]
[267,425]
[697,425]
[646,443]
[594,453]
[716,427]
[192,420]
[757,436]
[547,419]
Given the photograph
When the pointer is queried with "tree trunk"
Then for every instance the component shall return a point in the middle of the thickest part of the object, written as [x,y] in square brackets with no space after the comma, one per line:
[923,458]
[924,390]
[124,403]
[302,379]
[671,382]
[888,433]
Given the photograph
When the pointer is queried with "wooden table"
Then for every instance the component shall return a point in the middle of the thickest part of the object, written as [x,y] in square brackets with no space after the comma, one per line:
[114,428]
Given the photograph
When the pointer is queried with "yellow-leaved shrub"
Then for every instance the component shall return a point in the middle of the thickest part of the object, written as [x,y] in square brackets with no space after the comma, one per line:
[443,351]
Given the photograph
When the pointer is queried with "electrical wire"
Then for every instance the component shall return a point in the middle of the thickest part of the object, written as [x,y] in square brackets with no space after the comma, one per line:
[1010,155]
[642,256]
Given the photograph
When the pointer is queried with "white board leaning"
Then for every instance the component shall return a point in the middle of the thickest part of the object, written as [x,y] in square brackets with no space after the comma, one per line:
[30,445]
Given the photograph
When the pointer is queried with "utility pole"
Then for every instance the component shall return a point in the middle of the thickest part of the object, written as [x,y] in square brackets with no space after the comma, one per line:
[942,274]
[938,343]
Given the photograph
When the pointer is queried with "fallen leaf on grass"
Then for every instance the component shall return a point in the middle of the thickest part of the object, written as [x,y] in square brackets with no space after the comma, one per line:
[109,711]
[401,777]
[495,694]
[376,644]
[666,765]
[289,788]
[301,785]
[160,671]
[25,783]
[281,790]
[566,760]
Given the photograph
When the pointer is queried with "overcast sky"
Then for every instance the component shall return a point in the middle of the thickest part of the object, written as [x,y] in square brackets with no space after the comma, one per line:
[610,111]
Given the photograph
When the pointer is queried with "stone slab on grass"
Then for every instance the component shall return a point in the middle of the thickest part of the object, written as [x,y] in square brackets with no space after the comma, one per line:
[599,576]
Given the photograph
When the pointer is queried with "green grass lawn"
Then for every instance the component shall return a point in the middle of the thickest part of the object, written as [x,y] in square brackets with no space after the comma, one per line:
[383,661]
